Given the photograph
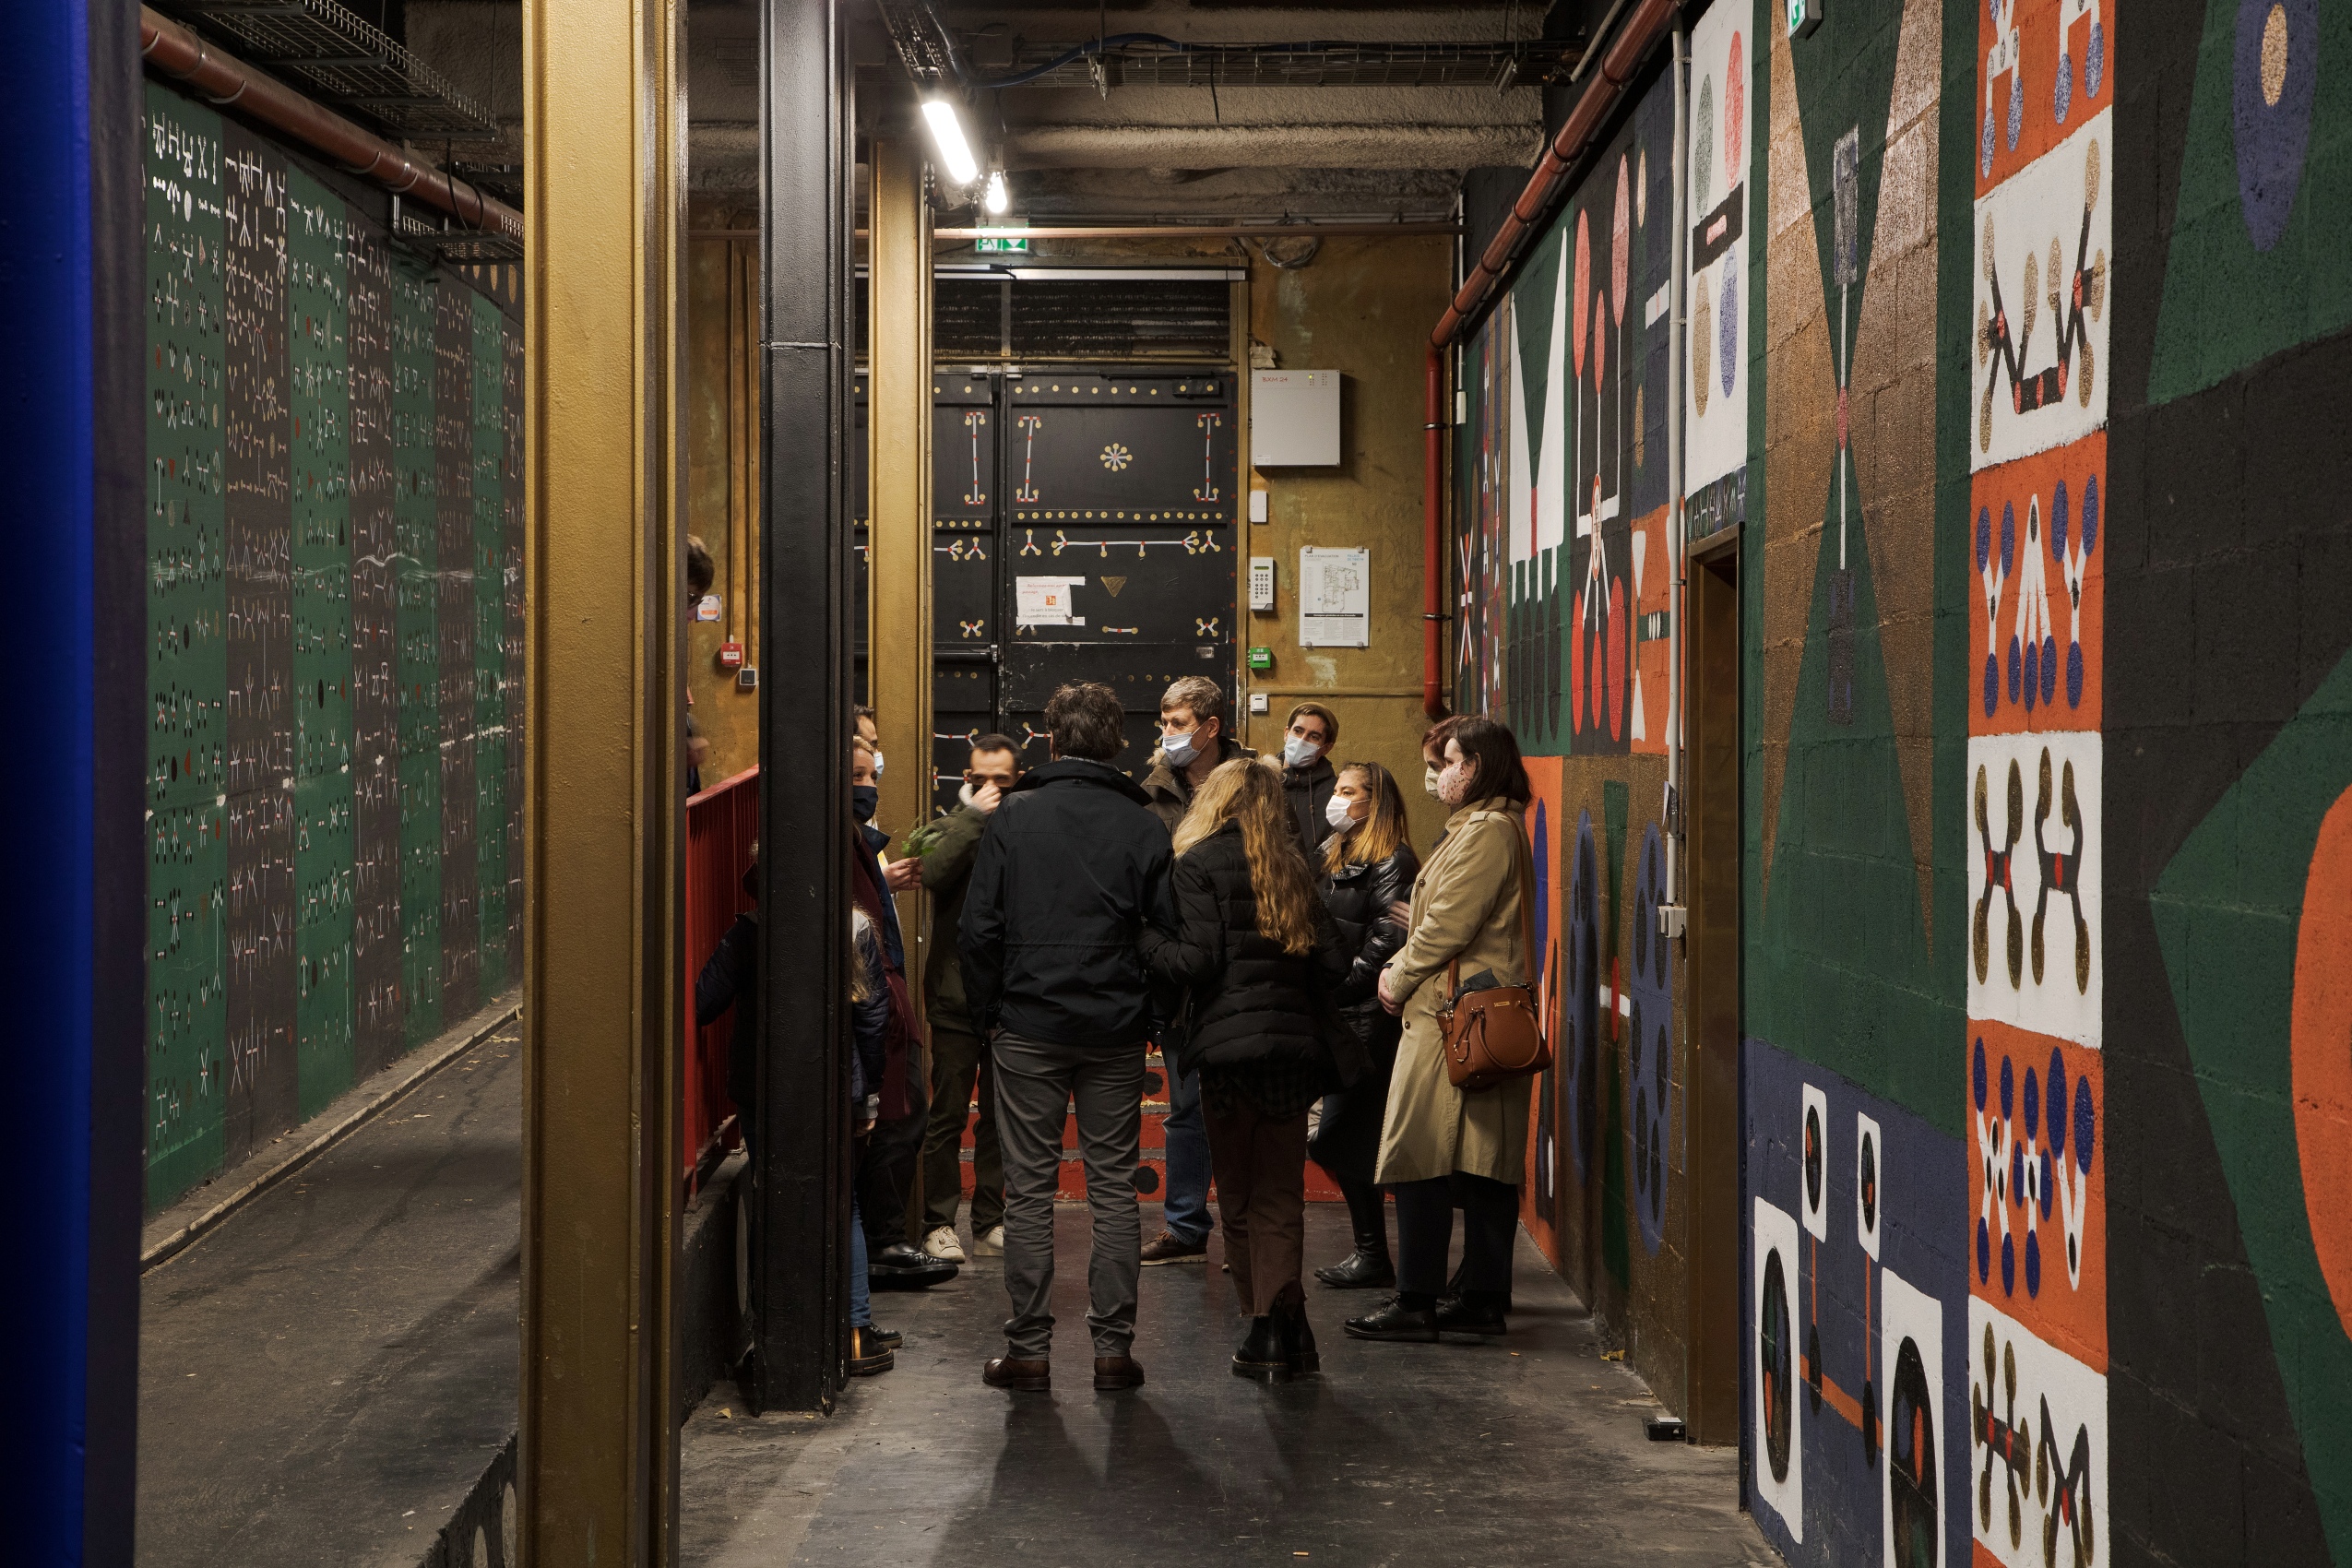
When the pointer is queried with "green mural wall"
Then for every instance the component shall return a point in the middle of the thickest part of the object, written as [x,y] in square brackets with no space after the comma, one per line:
[307,564]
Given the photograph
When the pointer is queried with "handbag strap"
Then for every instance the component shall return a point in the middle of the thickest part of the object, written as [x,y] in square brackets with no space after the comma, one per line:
[1524,857]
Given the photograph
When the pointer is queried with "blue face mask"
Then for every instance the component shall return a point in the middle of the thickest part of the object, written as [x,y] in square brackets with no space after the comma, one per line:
[1180,750]
[864,799]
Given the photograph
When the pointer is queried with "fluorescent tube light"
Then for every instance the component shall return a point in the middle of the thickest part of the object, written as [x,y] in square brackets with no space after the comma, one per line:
[947,131]
[997,199]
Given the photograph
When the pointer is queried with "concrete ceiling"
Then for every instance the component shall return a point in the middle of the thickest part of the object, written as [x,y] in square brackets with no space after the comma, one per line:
[1074,152]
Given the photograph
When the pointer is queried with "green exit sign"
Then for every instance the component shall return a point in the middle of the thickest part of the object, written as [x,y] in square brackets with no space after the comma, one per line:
[1002,245]
[1804,15]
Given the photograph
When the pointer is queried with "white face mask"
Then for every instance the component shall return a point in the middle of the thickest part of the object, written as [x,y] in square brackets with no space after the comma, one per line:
[1297,752]
[1339,811]
[1453,784]
[877,763]
[1429,779]
[1180,750]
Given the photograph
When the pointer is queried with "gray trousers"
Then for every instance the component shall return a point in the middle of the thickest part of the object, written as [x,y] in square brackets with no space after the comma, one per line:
[1035,1083]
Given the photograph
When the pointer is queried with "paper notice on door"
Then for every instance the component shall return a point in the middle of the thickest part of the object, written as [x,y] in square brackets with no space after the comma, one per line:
[1045,602]
[1335,598]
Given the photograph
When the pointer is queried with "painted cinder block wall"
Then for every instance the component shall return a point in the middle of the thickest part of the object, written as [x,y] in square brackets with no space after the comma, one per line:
[334,643]
[2046,770]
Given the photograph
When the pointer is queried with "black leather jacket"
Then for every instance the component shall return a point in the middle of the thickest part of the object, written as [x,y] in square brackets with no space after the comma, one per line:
[1358,898]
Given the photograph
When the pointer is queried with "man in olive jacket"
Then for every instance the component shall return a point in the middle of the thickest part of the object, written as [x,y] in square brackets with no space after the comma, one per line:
[957,1055]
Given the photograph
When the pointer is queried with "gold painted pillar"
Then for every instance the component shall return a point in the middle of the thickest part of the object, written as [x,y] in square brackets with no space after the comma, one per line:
[899,663]
[604,139]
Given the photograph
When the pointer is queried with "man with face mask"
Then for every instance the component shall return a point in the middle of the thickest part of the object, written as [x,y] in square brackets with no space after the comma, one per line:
[1192,742]
[958,1057]
[1307,778]
[887,1163]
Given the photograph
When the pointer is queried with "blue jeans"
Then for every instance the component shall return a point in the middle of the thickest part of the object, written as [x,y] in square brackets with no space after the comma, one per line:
[1187,1210]
[860,1300]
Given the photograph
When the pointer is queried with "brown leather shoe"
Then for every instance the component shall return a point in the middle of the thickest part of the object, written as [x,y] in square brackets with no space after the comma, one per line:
[1021,1377]
[1165,1248]
[1113,1373]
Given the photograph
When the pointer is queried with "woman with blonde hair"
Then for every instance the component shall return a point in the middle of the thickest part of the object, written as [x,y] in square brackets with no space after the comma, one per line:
[1368,871]
[1255,955]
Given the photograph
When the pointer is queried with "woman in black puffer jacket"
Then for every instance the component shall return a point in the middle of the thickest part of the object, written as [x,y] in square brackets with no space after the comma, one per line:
[1368,871]
[1256,956]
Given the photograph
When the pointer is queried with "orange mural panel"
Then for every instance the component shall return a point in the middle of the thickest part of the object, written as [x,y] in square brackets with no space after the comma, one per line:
[2049,66]
[2037,1187]
[2037,612]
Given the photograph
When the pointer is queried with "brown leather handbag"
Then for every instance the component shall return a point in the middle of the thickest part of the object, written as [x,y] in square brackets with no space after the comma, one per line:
[1495,1035]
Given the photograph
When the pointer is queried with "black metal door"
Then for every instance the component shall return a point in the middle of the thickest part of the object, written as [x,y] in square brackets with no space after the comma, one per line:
[1121,487]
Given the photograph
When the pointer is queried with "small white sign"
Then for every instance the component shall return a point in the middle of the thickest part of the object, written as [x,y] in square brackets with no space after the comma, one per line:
[1335,598]
[707,607]
[1045,602]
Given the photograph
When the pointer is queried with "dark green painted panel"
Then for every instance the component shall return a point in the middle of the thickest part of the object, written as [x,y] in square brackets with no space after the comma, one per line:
[492,812]
[318,335]
[186,653]
[418,673]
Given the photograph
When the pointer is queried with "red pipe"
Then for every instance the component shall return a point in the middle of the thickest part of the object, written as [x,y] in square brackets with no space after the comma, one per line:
[170,50]
[1434,543]
[1625,55]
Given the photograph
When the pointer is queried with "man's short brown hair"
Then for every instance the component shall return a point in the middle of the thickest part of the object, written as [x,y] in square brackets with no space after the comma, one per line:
[1085,720]
[1316,710]
[1204,697]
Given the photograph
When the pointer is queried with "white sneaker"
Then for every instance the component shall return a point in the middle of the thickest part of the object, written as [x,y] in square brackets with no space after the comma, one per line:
[990,1244]
[942,1244]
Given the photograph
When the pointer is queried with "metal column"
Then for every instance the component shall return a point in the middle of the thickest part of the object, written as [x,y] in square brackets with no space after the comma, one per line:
[799,1209]
[604,777]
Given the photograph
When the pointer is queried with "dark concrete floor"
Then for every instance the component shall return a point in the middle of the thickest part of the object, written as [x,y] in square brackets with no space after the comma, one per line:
[324,1376]
[1531,1451]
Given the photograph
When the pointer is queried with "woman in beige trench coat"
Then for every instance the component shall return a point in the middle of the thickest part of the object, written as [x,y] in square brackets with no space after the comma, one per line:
[1441,1147]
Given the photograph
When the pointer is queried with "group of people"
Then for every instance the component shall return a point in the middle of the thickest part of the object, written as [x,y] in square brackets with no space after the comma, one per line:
[1269,927]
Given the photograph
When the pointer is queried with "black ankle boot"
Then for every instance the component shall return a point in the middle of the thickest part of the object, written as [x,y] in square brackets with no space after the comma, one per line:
[1261,1355]
[1473,1314]
[1368,1268]
[1404,1317]
[1298,1337]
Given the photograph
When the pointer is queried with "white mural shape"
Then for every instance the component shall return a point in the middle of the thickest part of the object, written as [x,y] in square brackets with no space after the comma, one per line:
[1916,1432]
[1715,388]
[2043,240]
[2037,1460]
[1774,1269]
[2034,931]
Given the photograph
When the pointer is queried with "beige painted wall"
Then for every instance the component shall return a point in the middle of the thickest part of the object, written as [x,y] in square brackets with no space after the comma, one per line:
[1364,308]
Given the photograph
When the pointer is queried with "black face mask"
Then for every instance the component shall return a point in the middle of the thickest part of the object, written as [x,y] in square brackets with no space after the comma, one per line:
[864,799]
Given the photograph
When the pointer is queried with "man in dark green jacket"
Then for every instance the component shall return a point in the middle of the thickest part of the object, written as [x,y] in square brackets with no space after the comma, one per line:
[957,1054]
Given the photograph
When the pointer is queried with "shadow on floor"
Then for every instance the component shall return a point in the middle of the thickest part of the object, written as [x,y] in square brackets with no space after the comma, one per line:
[1530,1452]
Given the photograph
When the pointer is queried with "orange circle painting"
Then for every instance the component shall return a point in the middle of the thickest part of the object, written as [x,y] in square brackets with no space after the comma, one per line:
[2322,1032]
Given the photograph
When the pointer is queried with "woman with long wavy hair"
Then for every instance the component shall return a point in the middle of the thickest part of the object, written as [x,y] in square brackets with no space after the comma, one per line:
[1367,870]
[1255,955]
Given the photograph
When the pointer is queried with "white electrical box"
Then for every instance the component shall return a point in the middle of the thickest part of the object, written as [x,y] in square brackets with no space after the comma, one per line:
[1261,582]
[1258,703]
[1294,418]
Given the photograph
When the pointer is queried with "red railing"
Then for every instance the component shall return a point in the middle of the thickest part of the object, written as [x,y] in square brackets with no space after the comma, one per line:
[723,823]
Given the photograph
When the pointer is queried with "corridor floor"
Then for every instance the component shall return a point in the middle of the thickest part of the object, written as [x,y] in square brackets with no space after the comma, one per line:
[1531,1451]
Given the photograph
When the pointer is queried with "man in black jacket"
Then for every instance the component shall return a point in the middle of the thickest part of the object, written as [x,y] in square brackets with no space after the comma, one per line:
[1067,876]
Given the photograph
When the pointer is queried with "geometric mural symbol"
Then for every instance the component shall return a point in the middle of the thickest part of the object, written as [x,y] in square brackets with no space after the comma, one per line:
[1778,1440]
[1580,1014]
[1649,1050]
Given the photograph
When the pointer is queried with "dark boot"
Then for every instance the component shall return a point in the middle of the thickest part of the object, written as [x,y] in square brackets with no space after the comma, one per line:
[1404,1317]
[1474,1315]
[868,1355]
[1455,1291]
[1368,1267]
[902,1265]
[1261,1355]
[1298,1337]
